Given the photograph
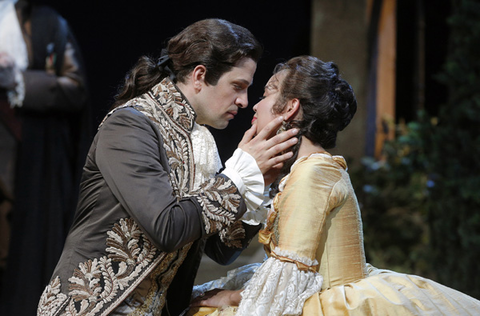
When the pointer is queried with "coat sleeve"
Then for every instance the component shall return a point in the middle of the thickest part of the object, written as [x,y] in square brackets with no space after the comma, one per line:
[129,157]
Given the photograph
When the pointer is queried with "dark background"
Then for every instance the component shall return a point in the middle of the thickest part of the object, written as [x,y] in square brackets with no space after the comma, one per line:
[114,34]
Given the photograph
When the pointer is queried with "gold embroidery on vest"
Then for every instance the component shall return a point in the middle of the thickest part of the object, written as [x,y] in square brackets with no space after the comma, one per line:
[224,193]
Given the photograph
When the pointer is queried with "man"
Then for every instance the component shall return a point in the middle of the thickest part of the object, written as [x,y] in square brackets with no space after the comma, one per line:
[151,199]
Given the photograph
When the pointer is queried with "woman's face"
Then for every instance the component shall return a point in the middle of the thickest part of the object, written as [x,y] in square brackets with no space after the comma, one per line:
[264,113]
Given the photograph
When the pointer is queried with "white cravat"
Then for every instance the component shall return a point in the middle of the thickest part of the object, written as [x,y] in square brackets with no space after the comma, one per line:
[205,154]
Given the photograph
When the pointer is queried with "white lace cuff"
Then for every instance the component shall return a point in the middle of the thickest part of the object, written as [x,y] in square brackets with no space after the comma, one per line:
[278,288]
[243,170]
[17,95]
[259,215]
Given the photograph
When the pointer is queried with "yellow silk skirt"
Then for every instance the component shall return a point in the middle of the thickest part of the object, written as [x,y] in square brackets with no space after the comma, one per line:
[389,293]
[212,311]
[382,293]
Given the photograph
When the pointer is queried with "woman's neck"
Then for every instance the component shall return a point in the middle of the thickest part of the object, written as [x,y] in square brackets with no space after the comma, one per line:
[307,148]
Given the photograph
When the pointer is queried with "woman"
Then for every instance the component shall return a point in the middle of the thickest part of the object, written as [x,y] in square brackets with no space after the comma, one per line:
[313,236]
[151,198]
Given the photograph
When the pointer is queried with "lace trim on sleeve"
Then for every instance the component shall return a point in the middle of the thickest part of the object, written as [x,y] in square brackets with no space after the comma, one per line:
[291,256]
[243,170]
[278,288]
[259,215]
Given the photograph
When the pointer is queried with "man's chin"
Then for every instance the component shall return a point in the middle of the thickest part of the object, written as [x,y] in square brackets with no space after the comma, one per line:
[220,126]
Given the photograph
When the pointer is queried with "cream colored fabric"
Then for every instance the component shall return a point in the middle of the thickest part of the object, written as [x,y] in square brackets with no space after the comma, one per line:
[316,218]
[278,288]
[319,218]
[386,292]
[211,311]
[205,154]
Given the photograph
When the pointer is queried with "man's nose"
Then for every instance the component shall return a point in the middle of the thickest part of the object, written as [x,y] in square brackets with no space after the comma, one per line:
[242,100]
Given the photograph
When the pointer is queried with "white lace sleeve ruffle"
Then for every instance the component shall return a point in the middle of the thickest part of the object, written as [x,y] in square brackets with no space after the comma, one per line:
[243,170]
[279,288]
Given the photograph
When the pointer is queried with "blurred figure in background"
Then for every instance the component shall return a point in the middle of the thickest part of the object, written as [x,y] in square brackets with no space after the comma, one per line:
[44,136]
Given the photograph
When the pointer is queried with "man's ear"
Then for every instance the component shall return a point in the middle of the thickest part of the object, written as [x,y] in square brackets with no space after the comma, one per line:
[198,77]
[292,109]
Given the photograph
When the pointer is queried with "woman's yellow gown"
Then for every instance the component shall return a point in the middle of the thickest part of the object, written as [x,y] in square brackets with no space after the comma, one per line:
[316,263]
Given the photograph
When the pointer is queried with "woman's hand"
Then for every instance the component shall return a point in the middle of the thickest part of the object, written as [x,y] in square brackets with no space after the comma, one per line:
[218,298]
[269,152]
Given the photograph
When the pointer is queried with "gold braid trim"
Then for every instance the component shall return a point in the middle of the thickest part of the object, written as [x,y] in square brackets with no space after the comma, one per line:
[301,266]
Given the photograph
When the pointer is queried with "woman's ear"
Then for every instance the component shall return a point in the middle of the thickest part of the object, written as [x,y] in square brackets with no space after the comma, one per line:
[293,109]
[198,77]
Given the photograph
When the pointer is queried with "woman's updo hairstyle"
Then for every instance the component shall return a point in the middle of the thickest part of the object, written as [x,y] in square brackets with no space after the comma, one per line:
[215,43]
[327,101]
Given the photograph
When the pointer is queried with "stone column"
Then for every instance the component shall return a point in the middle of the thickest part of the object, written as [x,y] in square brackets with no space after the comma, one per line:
[339,34]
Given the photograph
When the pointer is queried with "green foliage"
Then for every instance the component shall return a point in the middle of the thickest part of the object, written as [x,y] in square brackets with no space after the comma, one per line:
[421,205]
[454,155]
[392,194]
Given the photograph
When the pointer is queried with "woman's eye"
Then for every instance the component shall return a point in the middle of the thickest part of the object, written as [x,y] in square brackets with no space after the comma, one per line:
[261,98]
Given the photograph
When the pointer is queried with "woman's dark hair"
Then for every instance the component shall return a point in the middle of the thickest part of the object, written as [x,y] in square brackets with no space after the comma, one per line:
[327,101]
[217,44]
